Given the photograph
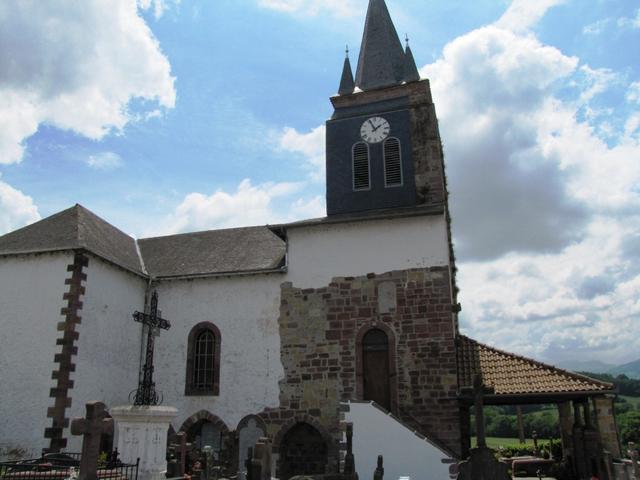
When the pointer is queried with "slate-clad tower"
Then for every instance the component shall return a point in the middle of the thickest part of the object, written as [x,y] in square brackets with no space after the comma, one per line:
[383,144]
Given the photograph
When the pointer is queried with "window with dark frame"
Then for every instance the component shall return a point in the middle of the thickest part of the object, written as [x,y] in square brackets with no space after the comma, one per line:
[361,175]
[203,360]
[392,163]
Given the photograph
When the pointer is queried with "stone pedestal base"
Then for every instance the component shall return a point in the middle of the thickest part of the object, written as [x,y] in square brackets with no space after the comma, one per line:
[141,432]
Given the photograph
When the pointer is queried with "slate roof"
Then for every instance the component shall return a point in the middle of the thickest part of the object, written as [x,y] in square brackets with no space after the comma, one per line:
[74,228]
[510,374]
[214,252]
[382,58]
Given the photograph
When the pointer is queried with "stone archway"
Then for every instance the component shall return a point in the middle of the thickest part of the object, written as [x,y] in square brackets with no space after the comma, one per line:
[303,450]
[205,428]
[250,429]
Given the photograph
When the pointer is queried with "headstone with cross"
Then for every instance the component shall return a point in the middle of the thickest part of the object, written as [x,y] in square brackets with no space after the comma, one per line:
[91,428]
[146,393]
[183,449]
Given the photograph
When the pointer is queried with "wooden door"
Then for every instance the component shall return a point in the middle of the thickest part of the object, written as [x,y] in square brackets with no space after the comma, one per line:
[375,368]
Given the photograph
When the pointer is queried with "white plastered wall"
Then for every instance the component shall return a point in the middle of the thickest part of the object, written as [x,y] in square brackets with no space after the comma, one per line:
[319,253]
[245,309]
[31,290]
[109,342]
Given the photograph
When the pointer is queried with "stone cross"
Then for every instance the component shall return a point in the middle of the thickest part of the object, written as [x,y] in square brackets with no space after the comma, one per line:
[91,428]
[182,449]
[146,393]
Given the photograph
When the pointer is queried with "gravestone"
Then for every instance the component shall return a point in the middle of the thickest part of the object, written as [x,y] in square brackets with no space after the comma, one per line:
[248,436]
[91,428]
[259,466]
[379,473]
[349,459]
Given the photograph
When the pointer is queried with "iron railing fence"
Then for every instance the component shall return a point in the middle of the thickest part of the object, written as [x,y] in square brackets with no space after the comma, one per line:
[61,466]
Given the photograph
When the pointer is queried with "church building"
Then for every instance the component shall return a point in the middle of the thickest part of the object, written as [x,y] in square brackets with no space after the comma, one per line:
[277,328]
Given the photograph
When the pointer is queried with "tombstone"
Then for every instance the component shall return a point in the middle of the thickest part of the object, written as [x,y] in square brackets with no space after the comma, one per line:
[349,460]
[379,473]
[182,449]
[260,463]
[91,428]
[209,461]
[248,436]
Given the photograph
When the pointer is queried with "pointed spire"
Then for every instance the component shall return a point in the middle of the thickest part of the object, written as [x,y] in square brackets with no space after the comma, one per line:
[347,85]
[382,59]
[411,73]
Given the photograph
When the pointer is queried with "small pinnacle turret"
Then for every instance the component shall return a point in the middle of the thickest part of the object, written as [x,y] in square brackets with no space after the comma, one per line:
[382,58]
[347,85]
[411,73]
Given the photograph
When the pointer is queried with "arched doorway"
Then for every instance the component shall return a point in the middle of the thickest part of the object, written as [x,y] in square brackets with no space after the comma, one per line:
[303,451]
[375,368]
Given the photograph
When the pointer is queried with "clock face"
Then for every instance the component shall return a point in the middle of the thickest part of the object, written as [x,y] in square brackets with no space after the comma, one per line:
[375,130]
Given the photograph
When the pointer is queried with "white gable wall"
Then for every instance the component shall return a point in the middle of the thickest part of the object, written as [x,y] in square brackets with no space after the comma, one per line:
[31,290]
[109,342]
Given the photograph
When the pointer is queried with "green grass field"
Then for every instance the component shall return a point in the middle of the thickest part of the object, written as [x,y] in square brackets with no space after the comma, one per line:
[635,401]
[496,442]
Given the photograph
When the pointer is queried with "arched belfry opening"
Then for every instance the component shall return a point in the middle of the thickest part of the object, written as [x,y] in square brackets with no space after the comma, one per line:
[376,371]
[303,451]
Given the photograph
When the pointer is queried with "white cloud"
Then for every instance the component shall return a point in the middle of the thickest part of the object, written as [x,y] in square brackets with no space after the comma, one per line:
[159,6]
[633,93]
[338,8]
[16,209]
[544,212]
[105,161]
[310,145]
[76,68]
[630,22]
[522,14]
[596,28]
[248,205]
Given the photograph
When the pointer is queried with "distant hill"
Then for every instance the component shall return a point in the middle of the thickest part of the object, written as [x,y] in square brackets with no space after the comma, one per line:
[631,370]
[594,366]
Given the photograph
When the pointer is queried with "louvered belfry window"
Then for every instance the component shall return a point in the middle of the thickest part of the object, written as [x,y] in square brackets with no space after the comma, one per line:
[392,163]
[361,176]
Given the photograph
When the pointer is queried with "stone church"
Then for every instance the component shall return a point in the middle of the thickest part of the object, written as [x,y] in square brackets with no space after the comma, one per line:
[280,328]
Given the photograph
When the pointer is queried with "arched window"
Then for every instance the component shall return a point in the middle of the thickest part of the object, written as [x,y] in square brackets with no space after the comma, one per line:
[392,163]
[203,360]
[361,175]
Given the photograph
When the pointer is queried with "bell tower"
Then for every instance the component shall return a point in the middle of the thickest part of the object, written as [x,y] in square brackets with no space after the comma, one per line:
[383,143]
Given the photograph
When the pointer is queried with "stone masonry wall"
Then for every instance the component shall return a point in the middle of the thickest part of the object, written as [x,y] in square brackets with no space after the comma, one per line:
[319,328]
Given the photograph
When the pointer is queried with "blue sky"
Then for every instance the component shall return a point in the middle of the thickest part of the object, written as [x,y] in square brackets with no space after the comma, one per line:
[165,116]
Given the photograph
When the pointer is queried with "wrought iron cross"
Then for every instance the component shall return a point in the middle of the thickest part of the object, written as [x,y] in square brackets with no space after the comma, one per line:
[146,393]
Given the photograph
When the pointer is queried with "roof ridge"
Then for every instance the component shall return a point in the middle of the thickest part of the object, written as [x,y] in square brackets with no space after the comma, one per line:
[547,366]
[199,232]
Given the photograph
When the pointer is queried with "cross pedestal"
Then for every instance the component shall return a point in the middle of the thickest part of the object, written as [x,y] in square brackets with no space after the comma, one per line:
[141,432]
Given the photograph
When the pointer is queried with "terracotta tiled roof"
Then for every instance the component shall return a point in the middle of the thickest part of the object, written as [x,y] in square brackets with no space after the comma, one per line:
[510,374]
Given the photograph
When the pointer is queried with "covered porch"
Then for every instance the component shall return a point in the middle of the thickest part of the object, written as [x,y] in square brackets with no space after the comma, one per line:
[587,425]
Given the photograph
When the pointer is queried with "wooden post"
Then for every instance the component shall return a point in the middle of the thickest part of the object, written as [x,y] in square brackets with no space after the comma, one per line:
[479,410]
[520,424]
